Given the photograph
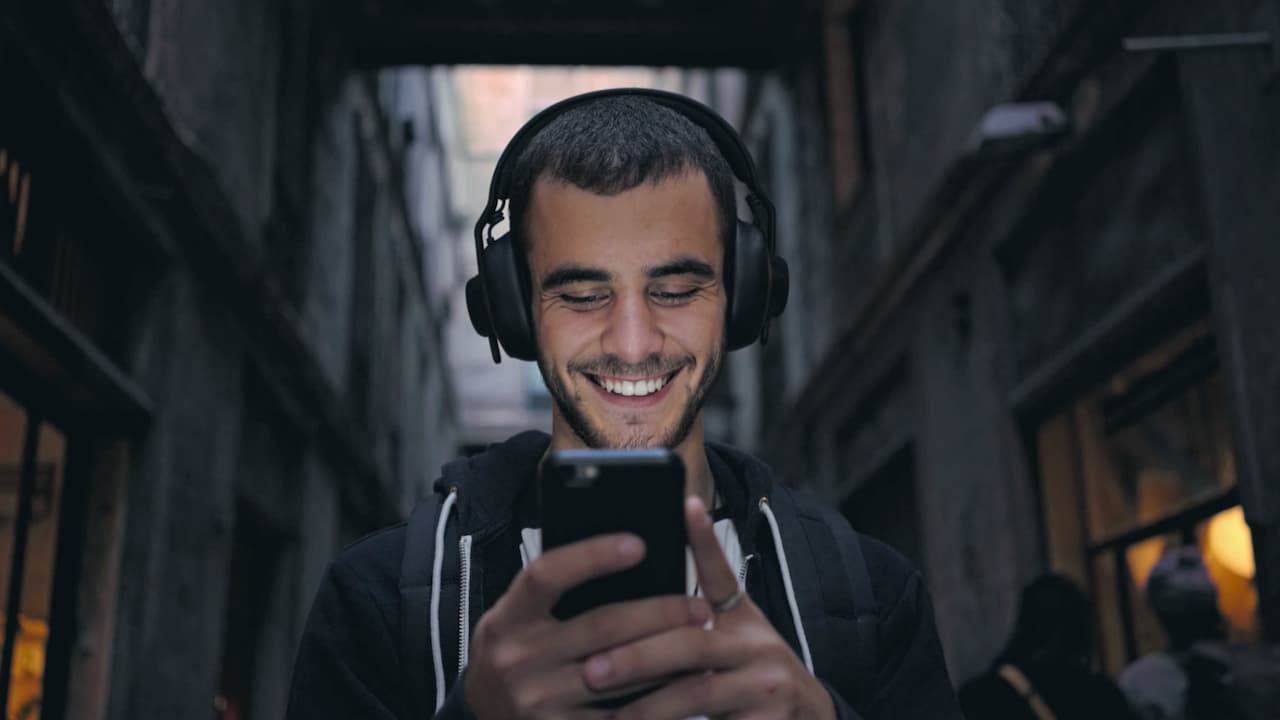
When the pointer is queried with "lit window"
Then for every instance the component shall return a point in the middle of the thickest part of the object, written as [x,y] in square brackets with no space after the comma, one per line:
[1142,465]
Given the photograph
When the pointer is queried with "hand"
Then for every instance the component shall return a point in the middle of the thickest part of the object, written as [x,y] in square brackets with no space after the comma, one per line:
[526,664]
[741,667]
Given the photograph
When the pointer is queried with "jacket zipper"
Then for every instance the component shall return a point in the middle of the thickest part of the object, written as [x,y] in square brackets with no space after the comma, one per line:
[464,602]
[742,571]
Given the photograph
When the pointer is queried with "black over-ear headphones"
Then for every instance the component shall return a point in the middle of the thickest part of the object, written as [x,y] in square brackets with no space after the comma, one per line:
[756,278]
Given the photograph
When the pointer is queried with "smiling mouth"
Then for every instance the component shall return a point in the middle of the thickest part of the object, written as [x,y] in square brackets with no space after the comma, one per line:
[639,387]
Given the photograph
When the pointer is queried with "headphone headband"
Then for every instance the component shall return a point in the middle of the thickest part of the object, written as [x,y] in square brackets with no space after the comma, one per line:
[722,134]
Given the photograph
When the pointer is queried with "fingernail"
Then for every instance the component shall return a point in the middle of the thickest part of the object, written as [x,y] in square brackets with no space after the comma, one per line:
[598,670]
[630,548]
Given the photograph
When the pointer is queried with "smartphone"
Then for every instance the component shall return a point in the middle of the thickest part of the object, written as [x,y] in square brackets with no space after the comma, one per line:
[584,493]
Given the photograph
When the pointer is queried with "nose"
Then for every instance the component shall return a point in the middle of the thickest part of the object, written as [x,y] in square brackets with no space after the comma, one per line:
[633,334]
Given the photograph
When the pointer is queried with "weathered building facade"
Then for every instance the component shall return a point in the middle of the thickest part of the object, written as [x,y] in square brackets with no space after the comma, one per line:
[1044,338]
[220,356]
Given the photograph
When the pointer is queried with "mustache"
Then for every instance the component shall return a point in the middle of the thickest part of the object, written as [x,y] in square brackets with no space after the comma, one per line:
[655,364]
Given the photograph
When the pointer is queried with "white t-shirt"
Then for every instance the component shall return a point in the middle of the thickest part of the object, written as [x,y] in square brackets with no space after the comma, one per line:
[1155,686]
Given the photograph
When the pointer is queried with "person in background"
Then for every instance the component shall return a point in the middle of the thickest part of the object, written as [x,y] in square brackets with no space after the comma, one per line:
[1044,671]
[1200,675]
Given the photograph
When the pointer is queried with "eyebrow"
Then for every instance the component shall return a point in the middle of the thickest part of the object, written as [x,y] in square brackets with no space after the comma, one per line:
[681,266]
[569,274]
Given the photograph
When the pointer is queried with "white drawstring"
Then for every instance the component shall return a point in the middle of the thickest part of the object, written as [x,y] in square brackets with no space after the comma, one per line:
[437,657]
[786,583]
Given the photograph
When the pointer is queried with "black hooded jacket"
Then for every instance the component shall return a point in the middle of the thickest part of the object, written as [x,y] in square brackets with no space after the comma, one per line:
[353,663]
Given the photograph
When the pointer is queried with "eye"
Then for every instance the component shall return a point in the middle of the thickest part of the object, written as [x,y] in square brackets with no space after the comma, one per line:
[670,297]
[584,301]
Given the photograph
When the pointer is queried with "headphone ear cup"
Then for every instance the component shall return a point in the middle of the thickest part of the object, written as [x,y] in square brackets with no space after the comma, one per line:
[748,262]
[780,278]
[508,299]
[477,308]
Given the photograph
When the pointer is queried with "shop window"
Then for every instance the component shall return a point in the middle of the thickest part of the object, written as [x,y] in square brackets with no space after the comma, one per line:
[32,457]
[1141,465]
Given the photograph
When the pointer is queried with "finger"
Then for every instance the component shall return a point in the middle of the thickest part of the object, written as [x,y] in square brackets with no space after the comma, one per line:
[538,586]
[624,622]
[717,580]
[553,692]
[710,694]
[658,656]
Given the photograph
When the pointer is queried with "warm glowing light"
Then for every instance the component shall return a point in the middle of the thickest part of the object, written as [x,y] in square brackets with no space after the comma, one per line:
[1229,543]
[1142,557]
[26,684]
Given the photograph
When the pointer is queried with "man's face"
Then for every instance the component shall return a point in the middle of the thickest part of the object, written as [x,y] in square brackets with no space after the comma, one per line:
[628,308]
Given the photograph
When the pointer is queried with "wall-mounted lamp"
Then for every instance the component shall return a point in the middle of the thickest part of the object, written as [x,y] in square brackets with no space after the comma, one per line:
[1010,128]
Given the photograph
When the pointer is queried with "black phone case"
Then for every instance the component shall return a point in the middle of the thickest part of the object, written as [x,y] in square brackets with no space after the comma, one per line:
[584,493]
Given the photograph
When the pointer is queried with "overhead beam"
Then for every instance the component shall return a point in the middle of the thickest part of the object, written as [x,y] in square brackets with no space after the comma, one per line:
[419,38]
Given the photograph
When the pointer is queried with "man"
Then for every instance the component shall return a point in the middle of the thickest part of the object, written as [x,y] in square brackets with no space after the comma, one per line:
[1201,675]
[624,210]
[1185,601]
[1043,672]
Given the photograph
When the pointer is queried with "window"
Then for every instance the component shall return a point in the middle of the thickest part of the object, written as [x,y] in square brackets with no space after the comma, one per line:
[32,458]
[58,232]
[15,203]
[1141,465]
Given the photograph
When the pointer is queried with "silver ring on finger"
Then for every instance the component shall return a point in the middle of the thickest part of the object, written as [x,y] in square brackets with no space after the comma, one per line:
[730,602]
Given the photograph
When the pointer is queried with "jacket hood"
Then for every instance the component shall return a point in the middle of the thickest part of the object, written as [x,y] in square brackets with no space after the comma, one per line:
[489,483]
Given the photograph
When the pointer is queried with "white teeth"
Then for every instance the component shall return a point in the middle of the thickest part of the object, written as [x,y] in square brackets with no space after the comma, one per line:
[633,388]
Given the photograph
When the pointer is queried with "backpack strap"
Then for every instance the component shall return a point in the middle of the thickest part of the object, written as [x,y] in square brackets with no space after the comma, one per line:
[1022,685]
[866,613]
[415,605]
[836,603]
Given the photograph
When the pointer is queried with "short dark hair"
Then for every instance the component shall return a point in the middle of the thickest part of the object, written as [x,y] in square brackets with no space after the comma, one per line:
[1054,624]
[613,144]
